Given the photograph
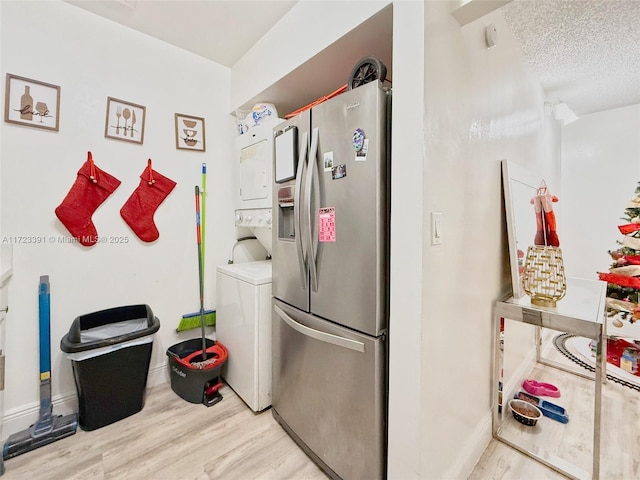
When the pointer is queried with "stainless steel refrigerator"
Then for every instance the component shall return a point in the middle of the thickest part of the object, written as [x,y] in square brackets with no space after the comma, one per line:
[331,281]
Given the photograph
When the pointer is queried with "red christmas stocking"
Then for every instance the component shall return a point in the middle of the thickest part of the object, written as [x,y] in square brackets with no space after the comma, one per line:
[91,188]
[139,209]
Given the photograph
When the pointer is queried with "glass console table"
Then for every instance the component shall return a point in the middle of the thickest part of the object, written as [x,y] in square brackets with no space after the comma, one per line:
[582,313]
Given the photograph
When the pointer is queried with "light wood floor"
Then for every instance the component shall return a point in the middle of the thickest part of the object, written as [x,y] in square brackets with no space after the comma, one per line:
[620,437]
[572,442]
[173,439]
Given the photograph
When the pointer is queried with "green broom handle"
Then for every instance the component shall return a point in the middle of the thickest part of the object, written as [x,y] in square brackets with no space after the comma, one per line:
[204,195]
[199,240]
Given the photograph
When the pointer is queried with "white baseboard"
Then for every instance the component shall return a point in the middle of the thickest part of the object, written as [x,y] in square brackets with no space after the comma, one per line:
[472,450]
[21,418]
[478,441]
[158,375]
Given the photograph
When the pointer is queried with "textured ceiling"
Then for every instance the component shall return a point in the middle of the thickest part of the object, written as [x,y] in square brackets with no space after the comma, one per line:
[585,52]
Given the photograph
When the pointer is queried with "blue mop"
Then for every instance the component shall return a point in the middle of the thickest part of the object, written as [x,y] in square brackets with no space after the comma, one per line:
[48,428]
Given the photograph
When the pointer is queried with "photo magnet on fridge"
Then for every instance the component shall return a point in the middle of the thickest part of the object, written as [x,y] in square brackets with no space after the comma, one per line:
[358,139]
[339,171]
[328,161]
[361,155]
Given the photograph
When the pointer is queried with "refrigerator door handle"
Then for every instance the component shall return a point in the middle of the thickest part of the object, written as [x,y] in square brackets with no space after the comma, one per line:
[302,258]
[318,335]
[311,180]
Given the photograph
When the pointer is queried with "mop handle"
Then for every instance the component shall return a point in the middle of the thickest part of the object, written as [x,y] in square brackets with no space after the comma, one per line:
[199,240]
[44,322]
[44,307]
[204,342]
[198,216]
[203,219]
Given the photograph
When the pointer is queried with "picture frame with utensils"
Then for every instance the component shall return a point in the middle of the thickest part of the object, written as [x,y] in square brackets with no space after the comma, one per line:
[190,133]
[125,121]
[32,103]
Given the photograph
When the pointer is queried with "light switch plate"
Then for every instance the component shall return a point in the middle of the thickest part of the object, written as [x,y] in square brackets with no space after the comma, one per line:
[436,228]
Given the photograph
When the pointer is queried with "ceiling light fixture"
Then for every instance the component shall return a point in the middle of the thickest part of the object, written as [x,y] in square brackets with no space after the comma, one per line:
[561,111]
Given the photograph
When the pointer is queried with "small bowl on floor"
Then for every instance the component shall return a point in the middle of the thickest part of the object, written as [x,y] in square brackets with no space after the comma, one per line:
[524,412]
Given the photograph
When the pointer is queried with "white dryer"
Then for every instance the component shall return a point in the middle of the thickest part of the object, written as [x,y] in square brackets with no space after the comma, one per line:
[243,325]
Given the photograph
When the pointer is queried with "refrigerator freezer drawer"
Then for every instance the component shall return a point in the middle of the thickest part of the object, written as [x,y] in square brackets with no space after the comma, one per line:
[329,387]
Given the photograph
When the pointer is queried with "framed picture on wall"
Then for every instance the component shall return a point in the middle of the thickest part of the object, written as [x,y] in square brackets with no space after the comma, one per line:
[125,121]
[190,133]
[32,103]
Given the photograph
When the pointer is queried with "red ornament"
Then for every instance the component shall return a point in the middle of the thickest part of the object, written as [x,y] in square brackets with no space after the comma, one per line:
[621,280]
[629,228]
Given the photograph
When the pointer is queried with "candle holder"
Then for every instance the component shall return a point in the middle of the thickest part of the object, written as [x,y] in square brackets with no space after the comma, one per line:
[544,279]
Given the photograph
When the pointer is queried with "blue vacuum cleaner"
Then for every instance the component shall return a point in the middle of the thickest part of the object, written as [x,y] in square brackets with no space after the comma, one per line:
[48,428]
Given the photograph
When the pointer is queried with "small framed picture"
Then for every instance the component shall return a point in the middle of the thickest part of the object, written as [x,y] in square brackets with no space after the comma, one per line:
[190,133]
[125,121]
[32,103]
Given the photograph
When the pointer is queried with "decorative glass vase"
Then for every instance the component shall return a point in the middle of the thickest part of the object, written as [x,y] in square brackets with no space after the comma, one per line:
[544,279]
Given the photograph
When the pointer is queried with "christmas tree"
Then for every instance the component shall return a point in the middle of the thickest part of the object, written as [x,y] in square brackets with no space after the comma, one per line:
[623,278]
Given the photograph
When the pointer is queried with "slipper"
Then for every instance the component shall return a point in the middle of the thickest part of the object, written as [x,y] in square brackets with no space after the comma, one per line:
[539,388]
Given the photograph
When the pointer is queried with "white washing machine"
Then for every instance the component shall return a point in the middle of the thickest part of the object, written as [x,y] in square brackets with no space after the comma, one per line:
[243,325]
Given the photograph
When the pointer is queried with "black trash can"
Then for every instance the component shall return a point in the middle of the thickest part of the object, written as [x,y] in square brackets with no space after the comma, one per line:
[110,352]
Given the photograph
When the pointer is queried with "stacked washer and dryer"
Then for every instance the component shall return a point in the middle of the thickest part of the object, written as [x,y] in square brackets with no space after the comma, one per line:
[243,290]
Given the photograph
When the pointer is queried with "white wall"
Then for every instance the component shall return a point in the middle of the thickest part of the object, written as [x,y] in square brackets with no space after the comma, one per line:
[3,291]
[600,172]
[406,391]
[481,106]
[92,58]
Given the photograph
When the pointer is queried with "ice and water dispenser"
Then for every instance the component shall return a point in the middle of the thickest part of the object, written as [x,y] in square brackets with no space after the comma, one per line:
[286,161]
[286,202]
